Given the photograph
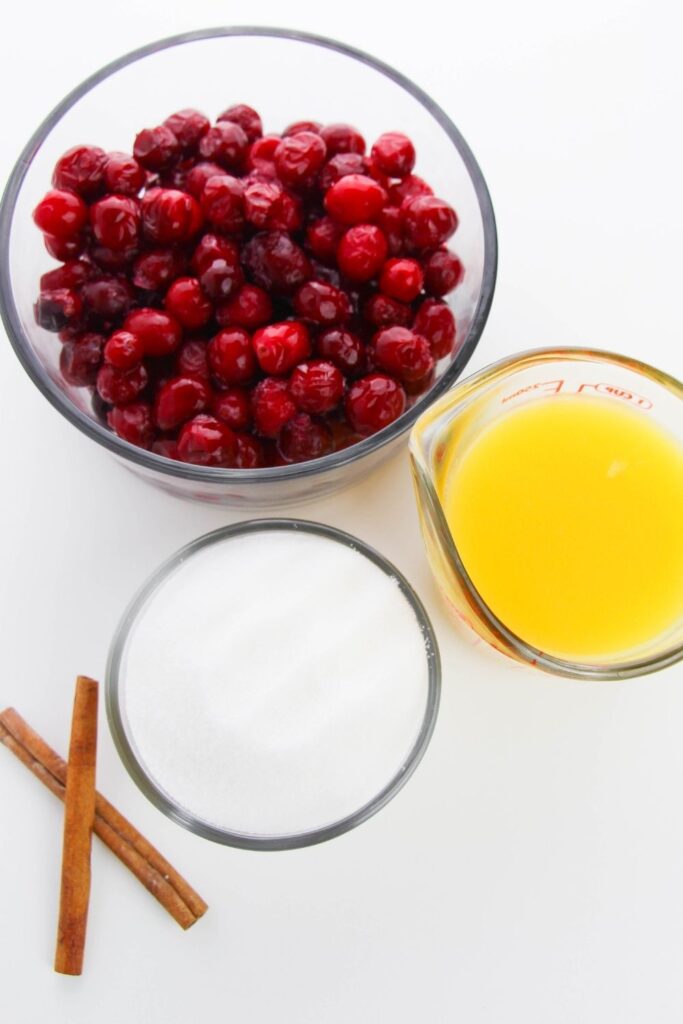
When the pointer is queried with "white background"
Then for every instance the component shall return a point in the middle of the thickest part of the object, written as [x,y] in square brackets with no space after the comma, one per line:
[532,870]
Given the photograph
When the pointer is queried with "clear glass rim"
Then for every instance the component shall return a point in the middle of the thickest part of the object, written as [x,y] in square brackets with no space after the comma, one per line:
[247,841]
[478,382]
[210,474]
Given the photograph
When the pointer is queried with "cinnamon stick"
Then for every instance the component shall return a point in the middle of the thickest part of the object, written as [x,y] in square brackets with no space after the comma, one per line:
[123,839]
[79,817]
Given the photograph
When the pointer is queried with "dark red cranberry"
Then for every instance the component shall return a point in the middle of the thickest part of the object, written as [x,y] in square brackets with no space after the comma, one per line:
[401,279]
[281,346]
[232,407]
[249,452]
[107,297]
[178,399]
[410,186]
[124,350]
[216,262]
[64,248]
[328,275]
[156,148]
[394,154]
[344,349]
[250,308]
[198,176]
[205,441]
[133,423]
[159,332]
[113,259]
[322,303]
[81,170]
[316,386]
[391,223]
[275,262]
[123,174]
[272,406]
[176,177]
[223,202]
[339,166]
[170,216]
[342,138]
[418,387]
[119,387]
[188,126]
[427,221]
[226,144]
[403,353]
[115,222]
[322,238]
[261,153]
[354,199]
[246,117]
[268,205]
[192,360]
[342,434]
[80,360]
[302,126]
[298,158]
[54,308]
[382,311]
[435,322]
[303,438]
[154,271]
[188,303]
[362,251]
[443,272]
[60,214]
[167,448]
[231,356]
[70,275]
[374,402]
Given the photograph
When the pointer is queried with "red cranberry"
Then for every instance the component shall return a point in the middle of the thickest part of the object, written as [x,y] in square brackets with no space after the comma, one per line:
[403,353]
[64,248]
[427,221]
[156,148]
[223,202]
[382,311]
[216,261]
[316,386]
[80,360]
[249,452]
[275,262]
[339,166]
[344,349]
[192,360]
[443,272]
[70,275]
[303,438]
[281,346]
[232,407]
[246,117]
[298,158]
[107,297]
[354,199]
[205,441]
[267,205]
[124,350]
[226,144]
[322,237]
[250,308]
[188,303]
[231,356]
[159,332]
[374,402]
[199,175]
[409,187]
[272,406]
[133,423]
[374,171]
[178,399]
[170,216]
[56,307]
[188,126]
[153,271]
[119,387]
[391,223]
[165,447]
[212,248]
[362,251]
[342,138]
[394,154]
[115,222]
[401,279]
[123,174]
[261,153]
[321,303]
[302,126]
[435,322]
[60,214]
[81,170]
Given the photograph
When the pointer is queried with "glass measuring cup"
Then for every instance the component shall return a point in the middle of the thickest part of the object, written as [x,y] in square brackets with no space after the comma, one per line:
[487,396]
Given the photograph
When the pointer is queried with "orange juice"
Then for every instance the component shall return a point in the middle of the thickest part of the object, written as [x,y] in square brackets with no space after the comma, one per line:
[567,513]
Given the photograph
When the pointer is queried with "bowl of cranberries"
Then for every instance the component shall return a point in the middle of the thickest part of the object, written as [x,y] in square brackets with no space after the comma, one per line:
[245,260]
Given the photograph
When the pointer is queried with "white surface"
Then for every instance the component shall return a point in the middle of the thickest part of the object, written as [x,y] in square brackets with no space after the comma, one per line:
[532,870]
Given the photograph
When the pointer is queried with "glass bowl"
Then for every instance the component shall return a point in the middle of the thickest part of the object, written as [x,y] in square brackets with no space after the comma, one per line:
[534,376]
[285,75]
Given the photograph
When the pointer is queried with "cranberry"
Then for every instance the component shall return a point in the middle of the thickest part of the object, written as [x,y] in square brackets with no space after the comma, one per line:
[119,387]
[418,387]
[374,402]
[188,126]
[427,221]
[249,452]
[268,205]
[178,399]
[321,303]
[223,202]
[361,252]
[403,353]
[133,423]
[298,158]
[401,279]
[205,441]
[261,153]
[216,261]
[394,154]
[60,214]
[409,187]
[275,262]
[231,356]
[159,332]
[303,438]
[246,117]
[344,349]
[435,322]
[342,434]
[374,171]
[316,386]
[81,170]
[115,222]
[390,221]
[113,259]
[339,166]
[192,360]
[176,177]
[70,275]
[250,308]
[383,311]
[123,174]
[443,272]
[56,307]
[354,199]
[302,126]
[170,216]
[272,406]
[188,303]
[107,297]
[124,350]
[154,270]
[342,138]
[156,148]
[80,359]
[64,248]
[232,407]
[322,237]
[168,449]
[281,346]
[226,144]
[199,175]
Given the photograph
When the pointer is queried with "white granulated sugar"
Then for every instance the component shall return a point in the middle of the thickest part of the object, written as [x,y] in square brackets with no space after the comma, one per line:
[274,683]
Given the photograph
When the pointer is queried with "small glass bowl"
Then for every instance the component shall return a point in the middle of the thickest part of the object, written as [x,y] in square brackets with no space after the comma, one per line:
[115,700]
[286,75]
[489,394]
